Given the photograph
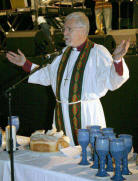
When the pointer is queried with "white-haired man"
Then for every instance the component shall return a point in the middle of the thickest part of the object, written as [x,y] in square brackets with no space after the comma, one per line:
[79,77]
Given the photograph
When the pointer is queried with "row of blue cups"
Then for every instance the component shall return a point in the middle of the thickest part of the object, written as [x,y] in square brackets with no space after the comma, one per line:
[105,147]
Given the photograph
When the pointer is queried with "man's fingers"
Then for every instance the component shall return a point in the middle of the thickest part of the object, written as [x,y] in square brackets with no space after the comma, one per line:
[12,53]
[121,44]
[127,44]
[122,49]
[124,45]
[10,58]
[19,51]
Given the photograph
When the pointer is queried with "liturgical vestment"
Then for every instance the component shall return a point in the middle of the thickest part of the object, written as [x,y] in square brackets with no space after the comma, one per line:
[99,76]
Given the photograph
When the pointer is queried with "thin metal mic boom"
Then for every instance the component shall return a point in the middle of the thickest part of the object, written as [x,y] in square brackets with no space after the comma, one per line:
[54,54]
[48,58]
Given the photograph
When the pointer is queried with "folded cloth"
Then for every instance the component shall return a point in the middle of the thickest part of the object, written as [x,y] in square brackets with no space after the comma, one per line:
[71,151]
[23,140]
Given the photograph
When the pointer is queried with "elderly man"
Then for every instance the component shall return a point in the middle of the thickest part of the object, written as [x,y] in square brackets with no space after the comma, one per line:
[79,77]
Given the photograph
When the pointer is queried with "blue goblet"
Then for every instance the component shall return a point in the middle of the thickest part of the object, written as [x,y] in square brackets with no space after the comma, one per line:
[102,149]
[117,151]
[107,130]
[109,167]
[93,128]
[95,156]
[14,121]
[83,140]
[128,146]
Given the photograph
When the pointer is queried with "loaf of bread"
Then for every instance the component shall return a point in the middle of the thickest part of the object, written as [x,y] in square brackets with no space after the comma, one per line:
[48,142]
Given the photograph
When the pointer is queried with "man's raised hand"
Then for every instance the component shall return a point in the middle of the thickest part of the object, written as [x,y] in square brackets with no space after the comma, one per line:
[121,50]
[17,59]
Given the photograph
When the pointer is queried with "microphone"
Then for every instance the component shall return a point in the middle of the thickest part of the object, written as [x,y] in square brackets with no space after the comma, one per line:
[48,58]
[52,55]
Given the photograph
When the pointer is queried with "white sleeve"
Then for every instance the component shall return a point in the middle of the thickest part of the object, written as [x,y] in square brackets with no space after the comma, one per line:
[41,76]
[106,75]
[47,75]
[116,80]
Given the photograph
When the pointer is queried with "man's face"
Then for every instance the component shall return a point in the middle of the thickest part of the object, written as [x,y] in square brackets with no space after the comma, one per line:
[74,36]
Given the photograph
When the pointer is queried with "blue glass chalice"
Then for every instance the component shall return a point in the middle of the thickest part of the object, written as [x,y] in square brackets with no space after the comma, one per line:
[15,122]
[102,149]
[92,129]
[117,151]
[128,146]
[93,136]
[83,140]
[107,130]
[109,167]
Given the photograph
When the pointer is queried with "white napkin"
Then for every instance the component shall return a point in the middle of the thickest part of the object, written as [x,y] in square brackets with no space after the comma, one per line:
[23,140]
[71,151]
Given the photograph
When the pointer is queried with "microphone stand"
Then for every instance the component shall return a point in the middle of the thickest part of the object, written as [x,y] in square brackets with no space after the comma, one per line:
[9,95]
[11,139]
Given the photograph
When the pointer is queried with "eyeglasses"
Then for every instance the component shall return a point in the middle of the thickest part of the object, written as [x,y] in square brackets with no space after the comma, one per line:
[70,29]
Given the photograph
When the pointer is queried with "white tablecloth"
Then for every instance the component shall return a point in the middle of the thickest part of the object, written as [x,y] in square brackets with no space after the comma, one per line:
[33,166]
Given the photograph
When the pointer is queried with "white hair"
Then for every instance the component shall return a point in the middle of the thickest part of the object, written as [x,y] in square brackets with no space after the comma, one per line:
[81,20]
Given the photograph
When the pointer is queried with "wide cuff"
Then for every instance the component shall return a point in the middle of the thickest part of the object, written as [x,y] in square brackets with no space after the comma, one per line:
[27,66]
[119,68]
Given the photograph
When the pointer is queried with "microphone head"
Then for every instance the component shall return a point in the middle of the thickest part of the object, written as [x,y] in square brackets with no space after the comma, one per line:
[48,58]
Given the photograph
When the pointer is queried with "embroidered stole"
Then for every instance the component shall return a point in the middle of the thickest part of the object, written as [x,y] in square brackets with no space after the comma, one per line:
[75,89]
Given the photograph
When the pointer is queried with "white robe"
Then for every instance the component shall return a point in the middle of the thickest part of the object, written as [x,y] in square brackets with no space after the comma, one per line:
[99,77]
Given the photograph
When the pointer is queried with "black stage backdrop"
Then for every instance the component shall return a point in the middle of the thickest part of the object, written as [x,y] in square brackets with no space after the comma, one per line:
[34,104]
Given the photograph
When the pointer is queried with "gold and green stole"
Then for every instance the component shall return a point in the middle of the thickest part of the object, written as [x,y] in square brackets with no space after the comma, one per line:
[75,89]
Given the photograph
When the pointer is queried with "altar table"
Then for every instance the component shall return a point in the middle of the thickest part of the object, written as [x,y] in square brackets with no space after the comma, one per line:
[34,166]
